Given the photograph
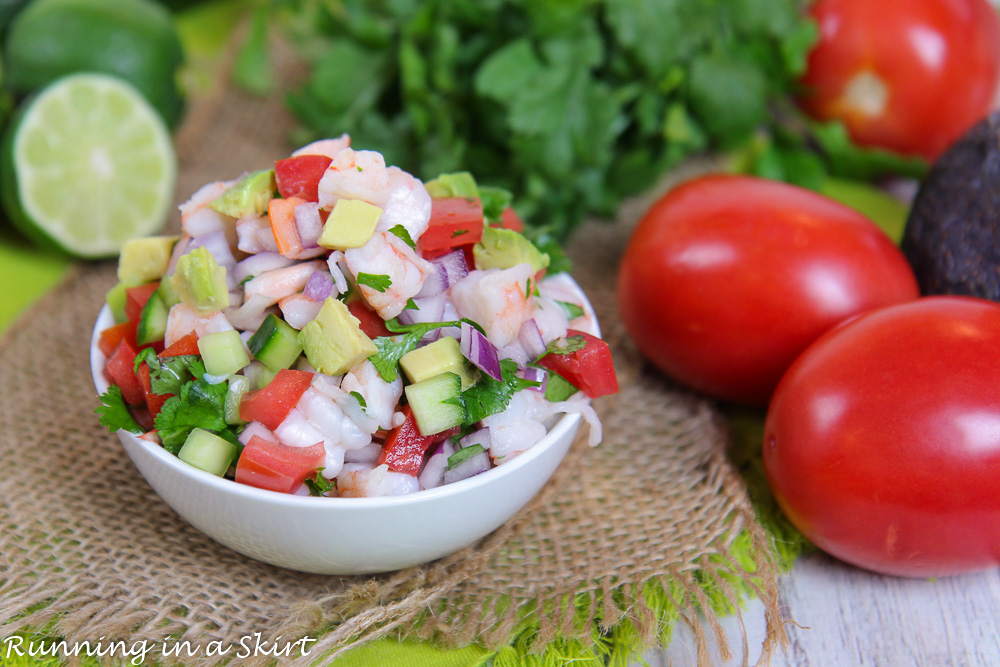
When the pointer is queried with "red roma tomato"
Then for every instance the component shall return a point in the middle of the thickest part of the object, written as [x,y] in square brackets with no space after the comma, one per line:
[728,278]
[454,221]
[300,176]
[907,75]
[276,467]
[882,443]
[589,369]
[271,405]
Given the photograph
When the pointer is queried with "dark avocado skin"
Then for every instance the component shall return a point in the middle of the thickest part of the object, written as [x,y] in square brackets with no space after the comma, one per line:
[952,236]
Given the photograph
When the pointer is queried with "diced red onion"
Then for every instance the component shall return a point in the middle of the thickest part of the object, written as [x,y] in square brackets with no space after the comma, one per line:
[246,234]
[265,237]
[254,265]
[515,352]
[367,454]
[432,474]
[450,269]
[531,339]
[251,314]
[309,253]
[429,309]
[202,222]
[319,286]
[339,279]
[255,429]
[217,245]
[180,248]
[480,437]
[308,223]
[480,351]
[533,374]
[474,465]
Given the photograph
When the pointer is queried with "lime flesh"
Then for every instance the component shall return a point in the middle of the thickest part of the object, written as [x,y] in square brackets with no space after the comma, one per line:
[87,165]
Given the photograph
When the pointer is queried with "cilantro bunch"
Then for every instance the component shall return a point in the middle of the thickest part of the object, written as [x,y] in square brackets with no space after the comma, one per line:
[570,104]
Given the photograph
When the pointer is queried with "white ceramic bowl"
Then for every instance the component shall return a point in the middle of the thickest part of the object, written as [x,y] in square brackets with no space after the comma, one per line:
[345,535]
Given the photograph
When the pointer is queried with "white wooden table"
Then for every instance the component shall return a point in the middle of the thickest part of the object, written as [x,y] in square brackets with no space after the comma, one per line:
[853,618]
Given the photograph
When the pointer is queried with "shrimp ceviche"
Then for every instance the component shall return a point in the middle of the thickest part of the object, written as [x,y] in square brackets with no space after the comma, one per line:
[336,327]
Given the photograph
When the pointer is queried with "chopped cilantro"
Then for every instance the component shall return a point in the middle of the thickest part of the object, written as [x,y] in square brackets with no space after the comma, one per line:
[198,405]
[378,282]
[360,399]
[558,388]
[411,305]
[495,201]
[488,396]
[169,374]
[392,348]
[459,232]
[360,169]
[319,485]
[400,231]
[572,310]
[464,455]
[114,413]
[567,345]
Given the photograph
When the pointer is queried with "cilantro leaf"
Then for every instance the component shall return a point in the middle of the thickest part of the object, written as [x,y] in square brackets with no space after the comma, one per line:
[568,345]
[459,232]
[169,374]
[495,201]
[400,231]
[390,351]
[572,310]
[411,305]
[558,388]
[464,455]
[488,396]
[114,414]
[319,485]
[198,405]
[378,282]
[360,399]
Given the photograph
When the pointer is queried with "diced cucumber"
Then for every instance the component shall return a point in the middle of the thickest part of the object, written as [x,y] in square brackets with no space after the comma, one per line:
[428,400]
[152,320]
[275,343]
[558,389]
[116,302]
[167,293]
[207,451]
[260,375]
[223,352]
[239,386]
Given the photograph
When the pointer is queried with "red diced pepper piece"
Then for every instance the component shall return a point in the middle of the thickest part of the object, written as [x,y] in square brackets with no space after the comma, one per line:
[404,449]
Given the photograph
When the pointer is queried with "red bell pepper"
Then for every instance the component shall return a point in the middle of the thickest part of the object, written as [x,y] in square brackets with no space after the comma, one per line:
[404,449]
[271,405]
[276,467]
[589,369]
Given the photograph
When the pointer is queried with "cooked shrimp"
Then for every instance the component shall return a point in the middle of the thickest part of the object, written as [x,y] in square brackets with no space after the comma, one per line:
[196,218]
[550,317]
[327,147]
[518,428]
[299,311]
[408,204]
[276,284]
[381,397]
[358,480]
[385,254]
[333,422]
[254,235]
[497,300]
[354,175]
[182,319]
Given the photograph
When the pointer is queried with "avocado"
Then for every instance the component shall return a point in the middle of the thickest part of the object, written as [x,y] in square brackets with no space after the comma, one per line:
[458,184]
[351,223]
[145,259]
[334,342]
[200,282]
[247,197]
[504,248]
[952,236]
[441,356]
[115,299]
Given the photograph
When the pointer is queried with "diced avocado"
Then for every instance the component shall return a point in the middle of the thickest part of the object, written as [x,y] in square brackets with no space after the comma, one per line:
[431,402]
[167,293]
[223,352]
[275,343]
[458,184]
[144,260]
[441,356]
[504,248]
[558,389]
[351,223]
[239,386]
[200,282]
[152,320]
[207,451]
[334,342]
[248,196]
[116,302]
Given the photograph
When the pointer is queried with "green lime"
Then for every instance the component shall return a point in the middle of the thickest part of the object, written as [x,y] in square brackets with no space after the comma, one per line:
[86,164]
[133,39]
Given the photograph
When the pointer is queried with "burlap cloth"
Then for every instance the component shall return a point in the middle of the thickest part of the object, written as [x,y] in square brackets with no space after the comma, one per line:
[88,550]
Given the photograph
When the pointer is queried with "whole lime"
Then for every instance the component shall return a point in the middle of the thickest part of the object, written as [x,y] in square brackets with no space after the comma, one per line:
[133,39]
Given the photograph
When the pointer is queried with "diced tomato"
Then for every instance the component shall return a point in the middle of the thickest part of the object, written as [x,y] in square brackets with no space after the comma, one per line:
[372,325]
[120,368]
[589,369]
[454,221]
[404,448]
[136,298]
[276,467]
[113,335]
[511,220]
[300,176]
[151,436]
[154,402]
[182,347]
[271,405]
[142,417]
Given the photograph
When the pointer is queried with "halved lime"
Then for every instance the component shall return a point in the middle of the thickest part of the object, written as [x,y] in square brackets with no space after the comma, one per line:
[87,164]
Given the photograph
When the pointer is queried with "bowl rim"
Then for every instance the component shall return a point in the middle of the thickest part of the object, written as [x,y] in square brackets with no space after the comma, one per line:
[566,426]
